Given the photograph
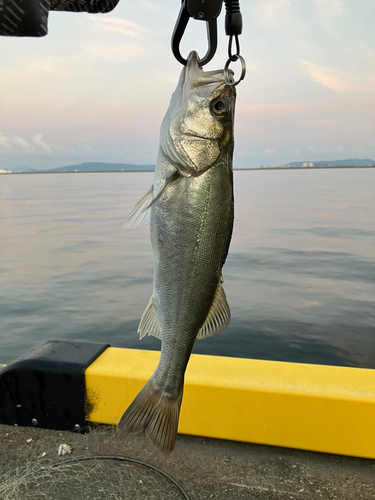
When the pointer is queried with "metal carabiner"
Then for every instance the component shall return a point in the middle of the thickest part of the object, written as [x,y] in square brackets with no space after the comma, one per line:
[229,80]
[179,29]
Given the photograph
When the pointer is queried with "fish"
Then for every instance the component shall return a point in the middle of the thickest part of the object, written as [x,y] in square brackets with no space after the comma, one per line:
[190,208]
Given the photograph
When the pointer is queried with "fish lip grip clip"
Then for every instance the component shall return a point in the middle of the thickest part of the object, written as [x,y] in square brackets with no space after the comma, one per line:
[203,11]
[209,10]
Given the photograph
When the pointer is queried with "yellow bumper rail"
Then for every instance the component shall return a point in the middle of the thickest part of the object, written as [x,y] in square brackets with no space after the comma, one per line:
[313,407]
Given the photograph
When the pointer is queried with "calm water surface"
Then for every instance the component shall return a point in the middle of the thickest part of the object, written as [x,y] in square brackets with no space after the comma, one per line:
[300,274]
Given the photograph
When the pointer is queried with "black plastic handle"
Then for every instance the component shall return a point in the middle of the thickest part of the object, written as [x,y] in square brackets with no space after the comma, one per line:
[179,29]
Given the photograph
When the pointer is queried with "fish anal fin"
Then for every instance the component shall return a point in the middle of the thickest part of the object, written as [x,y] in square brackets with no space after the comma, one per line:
[140,213]
[150,323]
[218,317]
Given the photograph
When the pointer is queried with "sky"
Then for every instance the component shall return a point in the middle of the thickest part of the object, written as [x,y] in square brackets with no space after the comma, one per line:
[97,86]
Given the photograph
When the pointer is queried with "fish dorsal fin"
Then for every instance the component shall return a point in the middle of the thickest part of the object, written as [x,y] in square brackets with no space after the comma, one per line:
[150,323]
[219,316]
[140,214]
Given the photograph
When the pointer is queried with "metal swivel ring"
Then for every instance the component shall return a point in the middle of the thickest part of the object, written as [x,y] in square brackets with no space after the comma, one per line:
[229,80]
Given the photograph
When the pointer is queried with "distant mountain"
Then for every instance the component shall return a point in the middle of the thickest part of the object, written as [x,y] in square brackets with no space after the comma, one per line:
[126,167]
[102,167]
[352,162]
[89,167]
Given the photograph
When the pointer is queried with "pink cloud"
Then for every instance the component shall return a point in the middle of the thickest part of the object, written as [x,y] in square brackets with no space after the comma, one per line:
[340,81]
[331,123]
[285,108]
[319,123]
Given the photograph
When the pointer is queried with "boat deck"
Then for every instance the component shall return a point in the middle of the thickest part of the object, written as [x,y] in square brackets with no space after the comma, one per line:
[204,468]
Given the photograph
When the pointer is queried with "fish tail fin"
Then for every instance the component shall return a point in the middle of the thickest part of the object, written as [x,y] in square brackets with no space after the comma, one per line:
[154,414]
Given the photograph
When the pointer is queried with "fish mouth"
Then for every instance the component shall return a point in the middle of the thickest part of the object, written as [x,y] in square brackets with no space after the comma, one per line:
[202,82]
[192,67]
[192,59]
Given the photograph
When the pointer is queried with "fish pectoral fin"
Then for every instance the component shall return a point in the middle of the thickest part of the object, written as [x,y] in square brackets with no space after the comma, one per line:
[172,177]
[218,317]
[150,323]
[140,214]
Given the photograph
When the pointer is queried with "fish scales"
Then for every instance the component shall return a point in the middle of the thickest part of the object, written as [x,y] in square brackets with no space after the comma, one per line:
[188,270]
[190,208]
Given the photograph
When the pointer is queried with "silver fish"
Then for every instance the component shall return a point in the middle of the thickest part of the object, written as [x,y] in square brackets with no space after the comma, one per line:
[190,207]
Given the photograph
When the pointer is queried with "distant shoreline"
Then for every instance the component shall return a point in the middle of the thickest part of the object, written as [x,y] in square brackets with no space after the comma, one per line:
[81,172]
[148,171]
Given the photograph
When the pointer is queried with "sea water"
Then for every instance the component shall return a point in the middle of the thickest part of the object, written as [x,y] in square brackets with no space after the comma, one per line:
[299,276]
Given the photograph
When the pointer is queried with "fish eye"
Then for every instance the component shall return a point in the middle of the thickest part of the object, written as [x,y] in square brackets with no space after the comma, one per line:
[219,107]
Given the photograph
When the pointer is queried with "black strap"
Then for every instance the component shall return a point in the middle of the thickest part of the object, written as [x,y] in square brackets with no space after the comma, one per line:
[30,17]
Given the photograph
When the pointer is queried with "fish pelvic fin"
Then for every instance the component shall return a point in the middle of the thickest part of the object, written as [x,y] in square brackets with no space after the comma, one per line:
[156,415]
[150,323]
[218,317]
[140,213]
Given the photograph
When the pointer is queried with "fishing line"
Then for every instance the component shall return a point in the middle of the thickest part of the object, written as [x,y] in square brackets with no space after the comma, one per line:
[121,459]
[56,465]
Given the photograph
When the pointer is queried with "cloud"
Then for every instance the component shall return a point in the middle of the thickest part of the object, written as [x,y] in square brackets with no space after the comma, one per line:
[4,143]
[284,108]
[319,123]
[273,7]
[47,68]
[331,123]
[269,152]
[150,6]
[272,12]
[339,81]
[123,26]
[33,70]
[18,145]
[244,153]
[124,52]
[10,75]
[331,18]
[40,144]
[329,10]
